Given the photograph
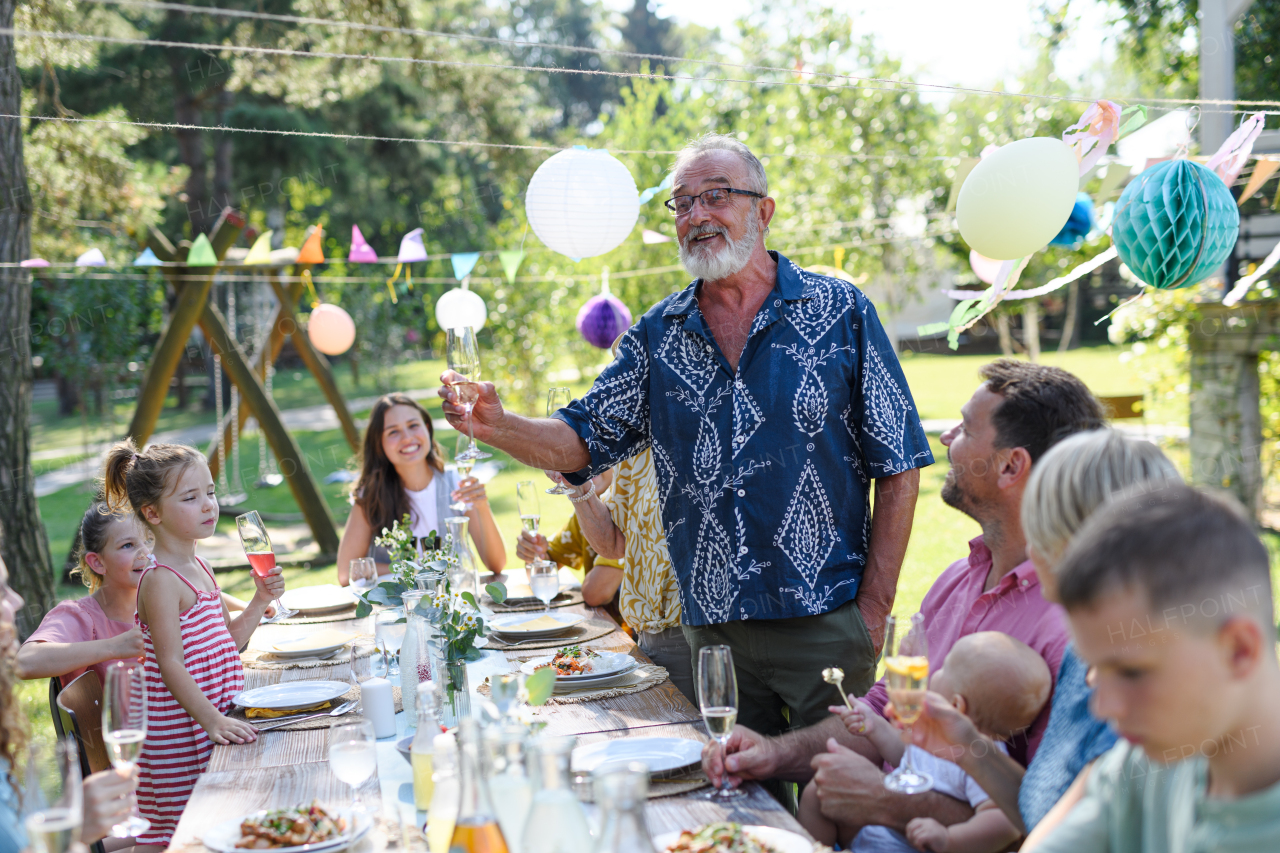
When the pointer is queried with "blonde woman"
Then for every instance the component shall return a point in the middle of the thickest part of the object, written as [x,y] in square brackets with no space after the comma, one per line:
[1077,475]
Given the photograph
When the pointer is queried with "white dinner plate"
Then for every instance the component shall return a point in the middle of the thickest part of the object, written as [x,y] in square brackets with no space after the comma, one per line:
[628,677]
[316,644]
[780,840]
[510,625]
[324,598]
[660,754]
[223,837]
[608,664]
[291,695]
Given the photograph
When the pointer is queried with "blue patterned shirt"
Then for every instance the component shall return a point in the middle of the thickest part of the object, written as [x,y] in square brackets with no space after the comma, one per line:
[1073,738]
[764,473]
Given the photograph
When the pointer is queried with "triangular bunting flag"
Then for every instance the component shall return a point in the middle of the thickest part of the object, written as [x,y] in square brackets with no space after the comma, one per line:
[146,259]
[201,253]
[91,258]
[361,252]
[411,248]
[511,263]
[1263,169]
[651,237]
[261,251]
[311,252]
[652,191]
[962,172]
[30,263]
[464,263]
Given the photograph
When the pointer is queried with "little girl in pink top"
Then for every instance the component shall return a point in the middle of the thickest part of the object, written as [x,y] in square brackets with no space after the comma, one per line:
[97,630]
[190,642]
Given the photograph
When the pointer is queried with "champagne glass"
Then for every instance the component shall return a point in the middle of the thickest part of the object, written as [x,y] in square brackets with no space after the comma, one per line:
[353,755]
[464,358]
[257,547]
[463,463]
[907,674]
[124,728]
[557,399]
[527,505]
[718,701]
[544,580]
[53,803]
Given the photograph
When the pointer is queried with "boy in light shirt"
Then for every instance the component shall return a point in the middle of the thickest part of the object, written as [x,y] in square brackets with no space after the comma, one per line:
[1002,684]
[1169,599]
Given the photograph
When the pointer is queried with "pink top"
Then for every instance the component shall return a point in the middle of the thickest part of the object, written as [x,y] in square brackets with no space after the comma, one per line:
[956,606]
[79,621]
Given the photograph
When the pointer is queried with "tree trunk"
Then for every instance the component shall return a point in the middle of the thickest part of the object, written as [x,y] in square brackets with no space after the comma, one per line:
[1073,314]
[186,110]
[23,546]
[1006,339]
[1031,329]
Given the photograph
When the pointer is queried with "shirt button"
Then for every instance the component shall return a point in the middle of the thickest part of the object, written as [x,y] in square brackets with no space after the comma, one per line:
[708,348]
[777,303]
[739,439]
[742,493]
[743,550]
[1025,582]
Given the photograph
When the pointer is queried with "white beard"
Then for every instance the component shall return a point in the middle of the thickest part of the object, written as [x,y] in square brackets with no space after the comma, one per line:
[701,263]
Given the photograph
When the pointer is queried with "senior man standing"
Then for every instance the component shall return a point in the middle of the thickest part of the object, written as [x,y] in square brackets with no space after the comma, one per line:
[771,398]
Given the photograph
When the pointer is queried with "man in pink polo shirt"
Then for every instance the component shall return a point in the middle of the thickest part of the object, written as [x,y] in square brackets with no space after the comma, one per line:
[1018,412]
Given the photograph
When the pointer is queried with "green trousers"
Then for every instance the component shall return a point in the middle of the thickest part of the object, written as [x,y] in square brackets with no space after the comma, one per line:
[779,664]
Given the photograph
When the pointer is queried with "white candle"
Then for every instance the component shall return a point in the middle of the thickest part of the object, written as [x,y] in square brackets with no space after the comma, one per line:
[379,706]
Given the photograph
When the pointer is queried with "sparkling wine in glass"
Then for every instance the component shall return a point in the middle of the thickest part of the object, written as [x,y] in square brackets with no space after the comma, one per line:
[53,802]
[907,677]
[262,559]
[718,701]
[463,354]
[463,464]
[527,505]
[124,728]
[557,399]
[544,580]
[353,755]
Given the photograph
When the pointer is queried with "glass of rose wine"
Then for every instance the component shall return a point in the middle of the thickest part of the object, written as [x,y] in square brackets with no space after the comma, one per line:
[262,559]
[907,675]
[124,728]
[718,701]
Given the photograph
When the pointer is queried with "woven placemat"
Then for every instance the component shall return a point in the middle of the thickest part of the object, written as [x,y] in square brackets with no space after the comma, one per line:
[320,722]
[261,659]
[568,598]
[583,632]
[640,680]
[658,788]
[337,616]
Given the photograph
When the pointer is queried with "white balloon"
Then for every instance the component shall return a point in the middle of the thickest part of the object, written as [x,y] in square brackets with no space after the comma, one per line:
[459,308]
[1017,199]
[582,203]
[331,330]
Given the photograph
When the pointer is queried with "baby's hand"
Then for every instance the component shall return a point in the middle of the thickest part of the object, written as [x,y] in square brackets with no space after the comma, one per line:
[859,720]
[925,833]
[225,730]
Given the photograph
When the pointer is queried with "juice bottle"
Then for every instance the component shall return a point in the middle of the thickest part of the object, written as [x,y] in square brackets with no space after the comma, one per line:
[423,747]
[443,813]
[476,830]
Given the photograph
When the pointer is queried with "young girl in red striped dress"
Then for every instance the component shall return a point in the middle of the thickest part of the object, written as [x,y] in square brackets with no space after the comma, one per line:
[192,645]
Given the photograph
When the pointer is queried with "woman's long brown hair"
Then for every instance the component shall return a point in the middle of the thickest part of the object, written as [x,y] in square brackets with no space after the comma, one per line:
[379,491]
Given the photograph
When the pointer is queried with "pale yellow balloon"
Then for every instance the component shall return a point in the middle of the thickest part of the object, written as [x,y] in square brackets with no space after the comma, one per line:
[1018,198]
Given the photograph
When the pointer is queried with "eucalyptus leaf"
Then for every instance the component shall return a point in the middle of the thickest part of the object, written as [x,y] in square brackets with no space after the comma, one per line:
[469,598]
[472,655]
[497,591]
[363,608]
[540,684]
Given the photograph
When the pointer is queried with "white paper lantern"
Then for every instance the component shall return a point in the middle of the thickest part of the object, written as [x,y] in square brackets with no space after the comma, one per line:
[332,331]
[582,203]
[460,308]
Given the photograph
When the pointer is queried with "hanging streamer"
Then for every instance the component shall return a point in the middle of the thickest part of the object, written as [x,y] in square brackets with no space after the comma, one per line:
[1229,160]
[1079,271]
[1242,286]
[1093,134]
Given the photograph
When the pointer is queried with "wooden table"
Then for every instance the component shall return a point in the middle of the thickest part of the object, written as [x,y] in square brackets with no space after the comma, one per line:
[291,767]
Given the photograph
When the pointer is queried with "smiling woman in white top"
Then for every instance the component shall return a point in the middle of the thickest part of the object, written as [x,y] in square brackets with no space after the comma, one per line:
[403,473]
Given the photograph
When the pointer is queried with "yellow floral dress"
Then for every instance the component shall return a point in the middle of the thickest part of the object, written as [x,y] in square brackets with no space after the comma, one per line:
[649,597]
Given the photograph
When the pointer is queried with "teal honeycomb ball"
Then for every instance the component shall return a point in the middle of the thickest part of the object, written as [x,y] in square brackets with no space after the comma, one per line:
[1175,224]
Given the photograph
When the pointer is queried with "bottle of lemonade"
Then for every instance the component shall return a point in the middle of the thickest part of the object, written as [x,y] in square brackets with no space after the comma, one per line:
[443,813]
[423,745]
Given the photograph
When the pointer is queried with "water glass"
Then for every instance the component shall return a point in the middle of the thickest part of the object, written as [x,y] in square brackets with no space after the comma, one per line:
[506,690]
[364,572]
[353,755]
[388,632]
[544,580]
[362,656]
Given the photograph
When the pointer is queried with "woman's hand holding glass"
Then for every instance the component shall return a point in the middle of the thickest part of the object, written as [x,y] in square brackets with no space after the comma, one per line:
[530,547]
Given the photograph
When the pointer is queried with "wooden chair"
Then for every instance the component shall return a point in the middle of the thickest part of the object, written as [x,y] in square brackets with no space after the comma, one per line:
[79,705]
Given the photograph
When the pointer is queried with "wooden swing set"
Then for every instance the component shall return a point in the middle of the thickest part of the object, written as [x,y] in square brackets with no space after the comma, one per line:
[193,286]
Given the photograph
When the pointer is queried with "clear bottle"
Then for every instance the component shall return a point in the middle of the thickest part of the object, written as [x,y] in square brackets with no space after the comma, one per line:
[443,813]
[476,830]
[415,663]
[463,573]
[621,795]
[556,822]
[509,785]
[423,749]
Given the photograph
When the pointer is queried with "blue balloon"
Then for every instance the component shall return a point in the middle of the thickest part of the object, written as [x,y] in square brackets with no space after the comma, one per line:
[1079,224]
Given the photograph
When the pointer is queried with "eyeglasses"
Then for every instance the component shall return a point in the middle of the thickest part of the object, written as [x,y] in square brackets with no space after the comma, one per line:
[714,199]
